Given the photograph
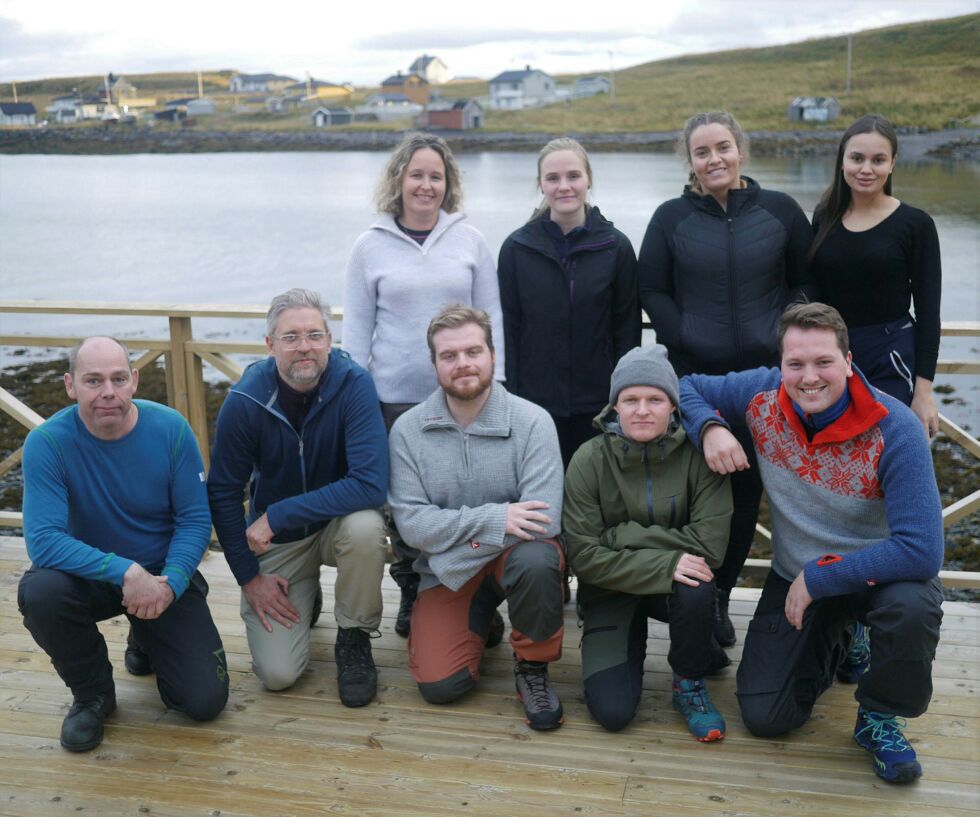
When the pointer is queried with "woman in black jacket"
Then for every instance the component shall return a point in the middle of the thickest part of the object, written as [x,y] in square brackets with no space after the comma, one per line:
[569,298]
[717,267]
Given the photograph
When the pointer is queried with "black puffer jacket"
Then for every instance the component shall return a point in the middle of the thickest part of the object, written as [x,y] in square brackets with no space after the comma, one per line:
[567,320]
[714,283]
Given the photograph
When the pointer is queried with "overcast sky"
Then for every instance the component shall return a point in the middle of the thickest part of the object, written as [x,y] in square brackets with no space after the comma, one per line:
[363,42]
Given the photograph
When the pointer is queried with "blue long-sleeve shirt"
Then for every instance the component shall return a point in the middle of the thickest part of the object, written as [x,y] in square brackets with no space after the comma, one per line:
[92,507]
[855,506]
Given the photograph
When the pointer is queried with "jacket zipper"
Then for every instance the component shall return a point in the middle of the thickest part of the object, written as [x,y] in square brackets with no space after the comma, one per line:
[733,278]
[646,468]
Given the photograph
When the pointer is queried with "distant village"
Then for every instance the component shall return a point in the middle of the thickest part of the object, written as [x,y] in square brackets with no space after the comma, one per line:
[419,94]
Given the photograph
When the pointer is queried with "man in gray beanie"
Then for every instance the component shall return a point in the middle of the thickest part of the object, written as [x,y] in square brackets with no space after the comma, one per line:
[644,544]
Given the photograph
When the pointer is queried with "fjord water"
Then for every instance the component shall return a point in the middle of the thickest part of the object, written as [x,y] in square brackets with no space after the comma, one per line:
[240,227]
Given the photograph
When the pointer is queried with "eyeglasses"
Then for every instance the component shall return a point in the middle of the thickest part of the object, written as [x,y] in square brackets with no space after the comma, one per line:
[292,340]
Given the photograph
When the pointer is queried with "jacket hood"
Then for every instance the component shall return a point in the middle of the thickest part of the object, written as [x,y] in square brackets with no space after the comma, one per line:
[600,235]
[737,199]
[386,223]
[259,382]
[626,450]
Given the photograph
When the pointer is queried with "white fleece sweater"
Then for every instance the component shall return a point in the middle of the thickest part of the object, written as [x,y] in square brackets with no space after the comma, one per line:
[394,287]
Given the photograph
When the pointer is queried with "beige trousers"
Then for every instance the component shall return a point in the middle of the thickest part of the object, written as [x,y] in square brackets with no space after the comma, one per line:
[356,546]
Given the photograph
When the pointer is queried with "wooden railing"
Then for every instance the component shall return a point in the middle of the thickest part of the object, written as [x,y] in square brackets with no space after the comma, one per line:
[184,359]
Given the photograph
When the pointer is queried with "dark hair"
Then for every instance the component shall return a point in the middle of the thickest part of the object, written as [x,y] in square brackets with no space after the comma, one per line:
[813,316]
[723,118]
[837,198]
[454,316]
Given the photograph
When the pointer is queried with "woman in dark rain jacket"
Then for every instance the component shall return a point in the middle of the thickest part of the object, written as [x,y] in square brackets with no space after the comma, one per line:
[569,297]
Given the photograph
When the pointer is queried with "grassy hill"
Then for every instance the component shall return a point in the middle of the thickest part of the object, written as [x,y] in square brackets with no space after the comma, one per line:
[923,74]
[920,74]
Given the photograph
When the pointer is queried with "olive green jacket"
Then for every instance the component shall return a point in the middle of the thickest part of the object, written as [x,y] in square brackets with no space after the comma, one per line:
[633,509]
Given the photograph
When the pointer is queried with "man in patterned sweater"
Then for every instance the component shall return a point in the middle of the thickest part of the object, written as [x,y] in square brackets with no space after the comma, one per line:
[857,534]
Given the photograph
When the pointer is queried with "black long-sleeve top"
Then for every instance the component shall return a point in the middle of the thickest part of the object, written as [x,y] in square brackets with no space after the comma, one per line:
[875,276]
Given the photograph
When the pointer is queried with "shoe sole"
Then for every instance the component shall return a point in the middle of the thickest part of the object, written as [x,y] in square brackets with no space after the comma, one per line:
[902,772]
[713,735]
[541,727]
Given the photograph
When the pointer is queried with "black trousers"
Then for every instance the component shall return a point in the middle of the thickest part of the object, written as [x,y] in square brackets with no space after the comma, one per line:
[614,644]
[746,496]
[403,555]
[573,432]
[61,612]
[783,670]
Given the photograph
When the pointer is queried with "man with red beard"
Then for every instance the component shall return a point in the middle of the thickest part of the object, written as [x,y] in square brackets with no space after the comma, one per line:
[302,430]
[476,487]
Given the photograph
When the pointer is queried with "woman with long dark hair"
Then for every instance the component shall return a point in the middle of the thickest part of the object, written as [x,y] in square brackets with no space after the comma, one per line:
[717,267]
[568,292]
[873,257]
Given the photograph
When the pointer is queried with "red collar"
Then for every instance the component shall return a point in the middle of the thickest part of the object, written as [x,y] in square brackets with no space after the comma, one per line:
[864,411]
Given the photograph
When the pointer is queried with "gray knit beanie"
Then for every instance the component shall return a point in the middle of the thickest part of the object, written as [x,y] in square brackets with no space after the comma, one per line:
[644,366]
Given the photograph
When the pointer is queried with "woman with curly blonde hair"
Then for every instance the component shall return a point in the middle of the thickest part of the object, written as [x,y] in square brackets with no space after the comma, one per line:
[419,255]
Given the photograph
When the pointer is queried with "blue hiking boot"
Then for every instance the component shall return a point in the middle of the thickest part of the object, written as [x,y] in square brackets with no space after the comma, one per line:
[691,700]
[858,657]
[881,735]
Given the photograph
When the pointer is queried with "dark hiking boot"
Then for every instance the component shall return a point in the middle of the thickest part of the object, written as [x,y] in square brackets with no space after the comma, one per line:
[723,627]
[137,662]
[496,632]
[317,605]
[858,657]
[718,658]
[542,709]
[83,726]
[357,677]
[403,623]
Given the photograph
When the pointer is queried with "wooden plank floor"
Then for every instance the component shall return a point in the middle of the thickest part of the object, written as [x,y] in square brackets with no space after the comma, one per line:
[301,753]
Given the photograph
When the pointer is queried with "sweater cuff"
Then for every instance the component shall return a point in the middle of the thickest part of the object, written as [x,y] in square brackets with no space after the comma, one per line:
[115,568]
[176,578]
[824,577]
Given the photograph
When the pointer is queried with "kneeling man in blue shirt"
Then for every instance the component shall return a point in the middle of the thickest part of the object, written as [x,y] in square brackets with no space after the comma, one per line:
[116,521]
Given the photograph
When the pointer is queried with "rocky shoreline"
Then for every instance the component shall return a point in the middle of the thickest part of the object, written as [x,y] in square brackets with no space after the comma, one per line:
[39,385]
[962,144]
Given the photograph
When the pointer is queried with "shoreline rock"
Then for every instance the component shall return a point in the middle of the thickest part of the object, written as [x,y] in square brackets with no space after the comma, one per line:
[962,143]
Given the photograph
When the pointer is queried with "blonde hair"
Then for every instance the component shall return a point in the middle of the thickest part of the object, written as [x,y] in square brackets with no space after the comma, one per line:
[561,143]
[388,192]
[722,118]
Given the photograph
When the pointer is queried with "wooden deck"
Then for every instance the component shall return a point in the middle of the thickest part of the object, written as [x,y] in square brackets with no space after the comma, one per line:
[301,753]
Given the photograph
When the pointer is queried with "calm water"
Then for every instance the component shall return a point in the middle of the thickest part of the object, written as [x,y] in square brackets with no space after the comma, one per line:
[238,228]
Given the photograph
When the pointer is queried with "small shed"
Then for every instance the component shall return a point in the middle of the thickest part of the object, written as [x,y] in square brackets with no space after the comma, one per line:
[459,114]
[813,109]
[17,113]
[331,117]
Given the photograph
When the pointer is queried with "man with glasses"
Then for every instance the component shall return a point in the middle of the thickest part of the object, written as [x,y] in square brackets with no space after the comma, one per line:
[302,430]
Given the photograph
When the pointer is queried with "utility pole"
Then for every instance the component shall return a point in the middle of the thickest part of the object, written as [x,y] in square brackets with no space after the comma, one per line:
[612,78]
[200,86]
[849,38]
[14,86]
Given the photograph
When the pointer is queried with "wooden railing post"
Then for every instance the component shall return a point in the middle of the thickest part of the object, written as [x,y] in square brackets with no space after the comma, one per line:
[185,382]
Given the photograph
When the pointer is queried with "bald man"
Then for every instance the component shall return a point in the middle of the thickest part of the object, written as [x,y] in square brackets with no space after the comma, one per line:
[116,521]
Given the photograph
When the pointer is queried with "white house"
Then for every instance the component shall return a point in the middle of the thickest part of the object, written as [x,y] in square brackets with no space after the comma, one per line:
[513,90]
[385,107]
[17,113]
[590,86]
[262,83]
[64,109]
[813,109]
[432,69]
